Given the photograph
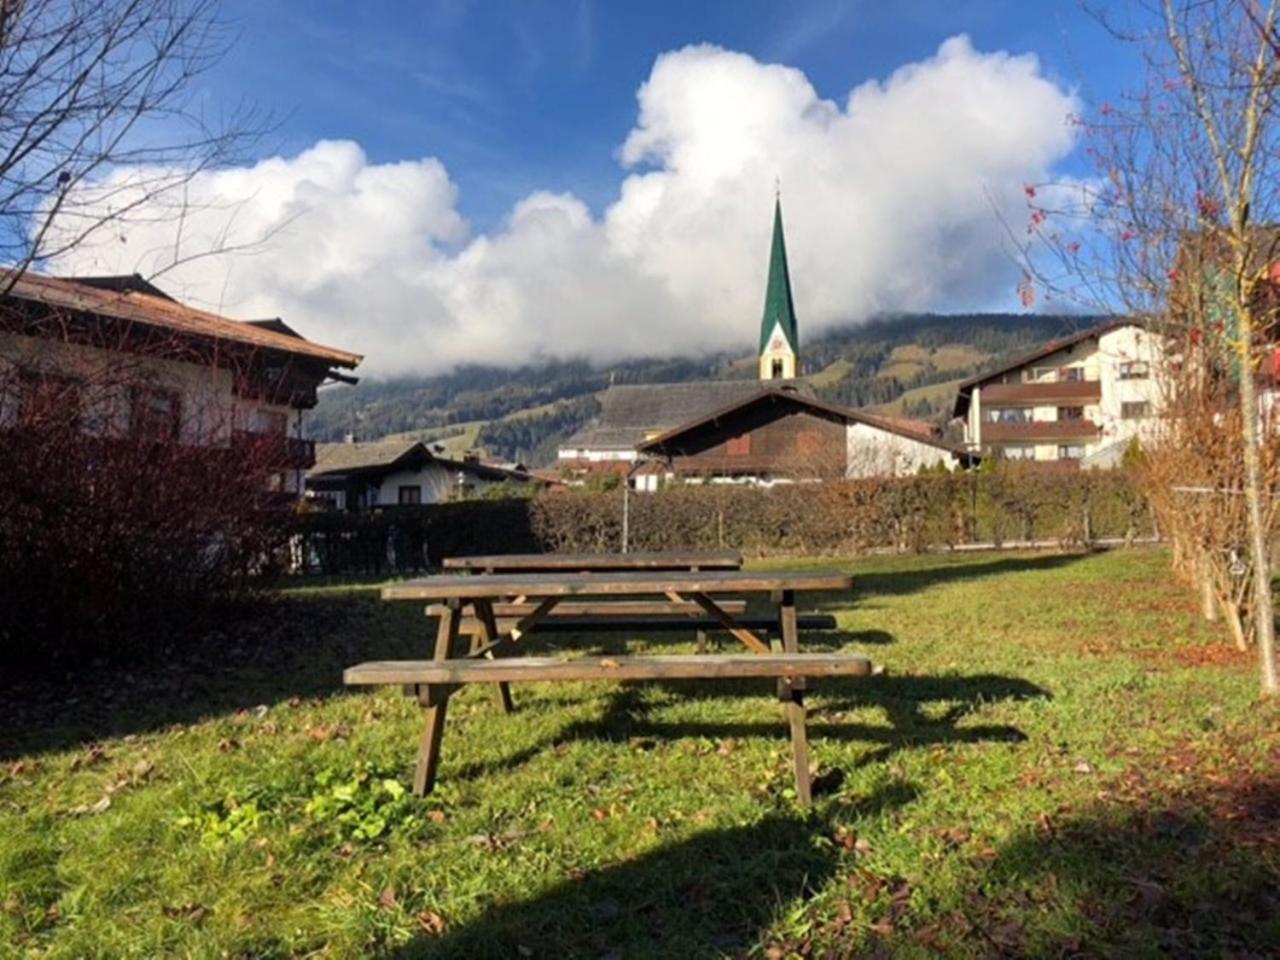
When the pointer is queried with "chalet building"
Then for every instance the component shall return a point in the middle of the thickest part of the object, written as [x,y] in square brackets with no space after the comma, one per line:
[118,356]
[780,434]
[1082,398]
[632,414]
[355,476]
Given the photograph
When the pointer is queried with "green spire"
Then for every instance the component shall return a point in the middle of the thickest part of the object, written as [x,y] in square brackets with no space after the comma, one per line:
[779,310]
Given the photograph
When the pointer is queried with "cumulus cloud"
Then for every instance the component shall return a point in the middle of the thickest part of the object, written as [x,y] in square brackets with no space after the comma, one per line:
[891,202]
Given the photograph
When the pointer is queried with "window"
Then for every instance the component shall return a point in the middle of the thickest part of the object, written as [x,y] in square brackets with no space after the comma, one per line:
[410,495]
[275,422]
[738,446]
[1070,451]
[1017,453]
[1133,409]
[1071,413]
[1009,415]
[1070,373]
[1135,370]
[154,413]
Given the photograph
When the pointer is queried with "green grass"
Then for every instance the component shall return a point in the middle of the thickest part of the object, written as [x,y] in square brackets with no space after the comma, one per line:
[1059,760]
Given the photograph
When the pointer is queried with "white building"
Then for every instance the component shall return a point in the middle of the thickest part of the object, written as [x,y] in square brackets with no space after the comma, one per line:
[389,473]
[119,358]
[1082,398]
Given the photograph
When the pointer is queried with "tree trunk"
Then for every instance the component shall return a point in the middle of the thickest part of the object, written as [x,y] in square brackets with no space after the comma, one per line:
[1264,612]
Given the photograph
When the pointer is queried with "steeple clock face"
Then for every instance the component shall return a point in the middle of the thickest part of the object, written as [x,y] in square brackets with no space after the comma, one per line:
[776,343]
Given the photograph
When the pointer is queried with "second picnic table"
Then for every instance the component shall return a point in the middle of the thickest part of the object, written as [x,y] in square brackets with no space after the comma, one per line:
[597,562]
[433,681]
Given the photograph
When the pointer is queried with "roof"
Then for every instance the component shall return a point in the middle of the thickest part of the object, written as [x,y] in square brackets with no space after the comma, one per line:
[354,457]
[631,413]
[335,460]
[1052,347]
[136,300]
[908,429]
[779,309]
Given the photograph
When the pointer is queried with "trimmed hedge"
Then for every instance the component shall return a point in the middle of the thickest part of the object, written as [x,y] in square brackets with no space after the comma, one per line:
[1015,503]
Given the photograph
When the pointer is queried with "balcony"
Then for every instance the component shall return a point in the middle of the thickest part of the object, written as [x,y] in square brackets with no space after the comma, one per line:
[1035,430]
[276,449]
[1071,392]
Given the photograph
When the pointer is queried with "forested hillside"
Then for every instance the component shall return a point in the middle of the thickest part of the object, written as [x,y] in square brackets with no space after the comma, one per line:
[905,364]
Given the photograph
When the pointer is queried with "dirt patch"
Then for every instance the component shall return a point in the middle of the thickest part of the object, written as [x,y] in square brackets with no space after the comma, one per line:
[1212,655]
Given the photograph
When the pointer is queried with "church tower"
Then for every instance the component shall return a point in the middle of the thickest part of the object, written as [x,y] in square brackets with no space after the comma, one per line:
[779,340]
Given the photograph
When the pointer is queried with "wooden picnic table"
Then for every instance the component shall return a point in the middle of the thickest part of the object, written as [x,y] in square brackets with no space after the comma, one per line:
[597,562]
[433,681]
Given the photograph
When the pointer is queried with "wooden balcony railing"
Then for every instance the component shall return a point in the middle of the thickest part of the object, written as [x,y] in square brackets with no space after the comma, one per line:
[1047,430]
[277,449]
[1071,392]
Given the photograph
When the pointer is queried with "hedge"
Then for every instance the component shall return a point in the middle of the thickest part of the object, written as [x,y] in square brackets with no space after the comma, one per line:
[1015,503]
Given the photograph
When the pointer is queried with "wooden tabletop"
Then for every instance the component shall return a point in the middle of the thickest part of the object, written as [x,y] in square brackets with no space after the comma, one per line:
[553,562]
[635,583]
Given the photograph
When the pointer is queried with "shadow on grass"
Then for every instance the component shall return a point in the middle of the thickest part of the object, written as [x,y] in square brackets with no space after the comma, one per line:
[714,895]
[903,699]
[1193,875]
[290,647]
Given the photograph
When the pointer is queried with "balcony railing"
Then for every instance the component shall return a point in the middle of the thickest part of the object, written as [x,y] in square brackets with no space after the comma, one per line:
[1048,430]
[277,449]
[1042,394]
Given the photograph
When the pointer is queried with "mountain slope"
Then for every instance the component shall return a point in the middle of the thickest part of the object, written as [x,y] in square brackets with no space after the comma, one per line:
[523,413]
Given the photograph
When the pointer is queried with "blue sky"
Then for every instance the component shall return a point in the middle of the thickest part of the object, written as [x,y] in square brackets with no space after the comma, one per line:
[518,96]
[504,181]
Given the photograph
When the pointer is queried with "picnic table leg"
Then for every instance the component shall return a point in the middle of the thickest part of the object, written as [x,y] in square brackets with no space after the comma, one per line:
[791,692]
[434,701]
[489,637]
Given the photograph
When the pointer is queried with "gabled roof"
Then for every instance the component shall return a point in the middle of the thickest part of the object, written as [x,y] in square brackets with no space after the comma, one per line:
[779,309]
[965,387]
[908,429]
[134,299]
[632,412]
[364,456]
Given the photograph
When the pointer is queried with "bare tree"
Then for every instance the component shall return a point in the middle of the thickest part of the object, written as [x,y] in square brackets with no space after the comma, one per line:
[98,119]
[1177,228]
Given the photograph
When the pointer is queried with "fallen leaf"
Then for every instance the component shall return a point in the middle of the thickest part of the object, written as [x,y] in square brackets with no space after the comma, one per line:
[436,816]
[387,899]
[600,813]
[319,734]
[261,710]
[18,768]
[431,923]
[1084,766]
[141,770]
[225,745]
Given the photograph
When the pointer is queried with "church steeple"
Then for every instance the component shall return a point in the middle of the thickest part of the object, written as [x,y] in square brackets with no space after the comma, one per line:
[779,339]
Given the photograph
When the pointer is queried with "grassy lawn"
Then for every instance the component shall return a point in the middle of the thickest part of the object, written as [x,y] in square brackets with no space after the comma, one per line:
[1059,761]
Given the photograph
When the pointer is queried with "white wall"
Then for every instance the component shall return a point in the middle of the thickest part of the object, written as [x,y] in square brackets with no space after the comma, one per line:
[878,453]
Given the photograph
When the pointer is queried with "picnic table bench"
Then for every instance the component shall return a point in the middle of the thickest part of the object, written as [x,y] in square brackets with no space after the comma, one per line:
[433,681]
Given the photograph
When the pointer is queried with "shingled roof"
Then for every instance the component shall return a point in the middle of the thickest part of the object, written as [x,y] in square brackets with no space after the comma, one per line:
[133,299]
[369,455]
[633,413]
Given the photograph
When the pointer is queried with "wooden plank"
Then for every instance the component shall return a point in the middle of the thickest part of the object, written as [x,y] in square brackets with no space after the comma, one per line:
[745,636]
[678,624]
[424,772]
[634,584]
[551,562]
[679,667]
[794,707]
[488,638]
[519,629]
[606,608]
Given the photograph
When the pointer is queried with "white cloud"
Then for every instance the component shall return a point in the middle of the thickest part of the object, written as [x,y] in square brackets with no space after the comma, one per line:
[888,200]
